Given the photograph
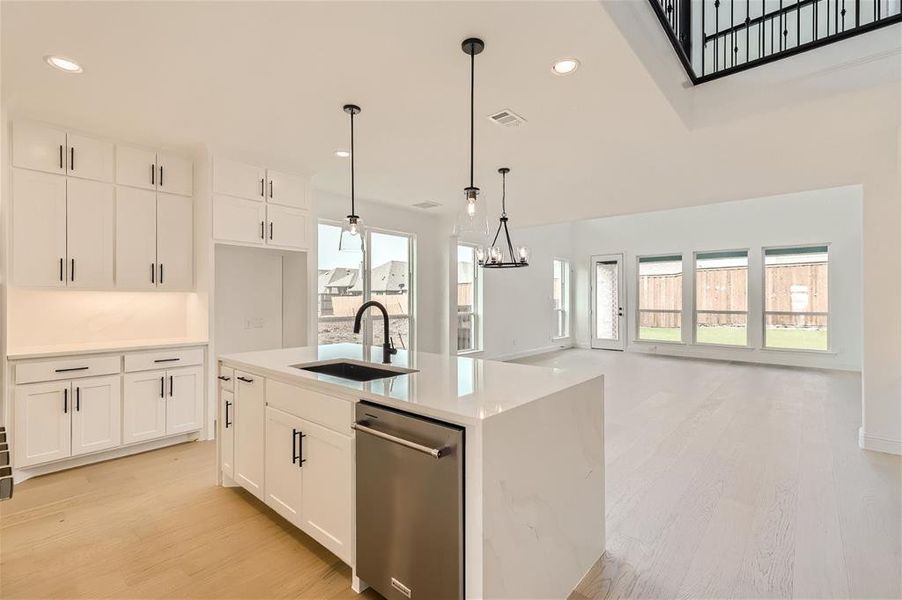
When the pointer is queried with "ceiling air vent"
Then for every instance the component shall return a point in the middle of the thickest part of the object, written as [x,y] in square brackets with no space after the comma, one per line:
[426,204]
[507,118]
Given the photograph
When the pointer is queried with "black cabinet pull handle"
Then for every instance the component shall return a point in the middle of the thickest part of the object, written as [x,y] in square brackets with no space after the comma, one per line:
[161,175]
[262,187]
[70,369]
[72,271]
[295,457]
[72,158]
[227,422]
[61,156]
[245,380]
[78,399]
[301,459]
[162,360]
[65,400]
[153,273]
[170,386]
[270,188]
[163,386]
[161,273]
[224,378]
[153,174]
[61,269]
[262,229]
[270,230]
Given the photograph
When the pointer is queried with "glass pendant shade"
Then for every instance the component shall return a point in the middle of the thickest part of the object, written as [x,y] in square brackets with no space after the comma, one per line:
[351,239]
[472,220]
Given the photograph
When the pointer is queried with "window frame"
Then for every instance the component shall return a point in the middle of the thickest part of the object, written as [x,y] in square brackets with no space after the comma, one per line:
[765,312]
[637,337]
[748,298]
[566,299]
[477,312]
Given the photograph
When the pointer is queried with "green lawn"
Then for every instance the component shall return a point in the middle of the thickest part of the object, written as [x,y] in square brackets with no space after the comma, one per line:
[805,339]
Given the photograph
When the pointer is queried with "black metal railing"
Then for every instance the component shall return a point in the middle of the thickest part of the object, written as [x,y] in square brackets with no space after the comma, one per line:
[714,38]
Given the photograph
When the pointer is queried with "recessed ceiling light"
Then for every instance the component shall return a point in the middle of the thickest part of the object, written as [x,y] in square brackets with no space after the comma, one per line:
[63,64]
[342,153]
[565,66]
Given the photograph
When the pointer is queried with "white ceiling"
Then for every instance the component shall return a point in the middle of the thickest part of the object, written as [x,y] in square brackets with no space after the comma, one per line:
[266,82]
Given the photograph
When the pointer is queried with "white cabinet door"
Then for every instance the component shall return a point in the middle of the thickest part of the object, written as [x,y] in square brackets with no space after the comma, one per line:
[238,179]
[136,167]
[326,488]
[90,158]
[136,238]
[40,147]
[288,227]
[250,425]
[38,229]
[184,403]
[175,174]
[283,467]
[288,190]
[238,220]
[227,432]
[96,420]
[42,429]
[175,242]
[143,406]
[90,229]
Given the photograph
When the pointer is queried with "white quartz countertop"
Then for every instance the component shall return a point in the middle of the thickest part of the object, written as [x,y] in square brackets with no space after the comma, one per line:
[99,347]
[455,388]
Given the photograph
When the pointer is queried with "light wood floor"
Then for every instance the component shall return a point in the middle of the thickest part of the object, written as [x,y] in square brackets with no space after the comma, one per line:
[739,481]
[723,480]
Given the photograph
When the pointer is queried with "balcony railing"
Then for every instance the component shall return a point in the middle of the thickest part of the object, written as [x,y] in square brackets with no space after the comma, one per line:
[715,38]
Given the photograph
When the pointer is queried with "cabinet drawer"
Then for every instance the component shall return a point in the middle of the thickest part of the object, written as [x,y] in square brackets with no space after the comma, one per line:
[226,378]
[331,412]
[67,368]
[163,359]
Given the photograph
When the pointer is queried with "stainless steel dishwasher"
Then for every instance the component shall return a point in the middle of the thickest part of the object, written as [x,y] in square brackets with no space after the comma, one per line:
[410,504]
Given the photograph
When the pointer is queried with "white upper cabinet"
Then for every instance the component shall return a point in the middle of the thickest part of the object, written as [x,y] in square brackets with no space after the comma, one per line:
[176,174]
[136,167]
[90,227]
[175,242]
[237,179]
[96,418]
[136,238]
[288,190]
[39,229]
[89,158]
[239,220]
[184,408]
[40,147]
[42,431]
[288,227]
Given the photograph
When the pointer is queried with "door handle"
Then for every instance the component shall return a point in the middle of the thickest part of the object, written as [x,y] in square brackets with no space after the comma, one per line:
[262,188]
[270,188]
[294,446]
[245,380]
[162,386]
[170,386]
[61,156]
[65,400]
[61,269]
[153,174]
[161,175]
[161,273]
[262,229]
[227,422]
[153,273]
[78,399]
[270,227]
[224,378]
[433,452]
[72,270]
[72,158]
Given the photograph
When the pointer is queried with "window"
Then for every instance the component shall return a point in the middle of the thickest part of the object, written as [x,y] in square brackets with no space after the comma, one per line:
[721,298]
[561,296]
[339,288]
[660,298]
[796,298]
[344,284]
[468,311]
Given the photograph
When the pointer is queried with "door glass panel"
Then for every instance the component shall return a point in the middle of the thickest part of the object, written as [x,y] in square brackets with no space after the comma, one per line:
[607,294]
[390,285]
[339,288]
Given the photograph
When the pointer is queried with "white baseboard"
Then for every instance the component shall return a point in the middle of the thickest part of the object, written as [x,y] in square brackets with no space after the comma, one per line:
[878,444]
[20,475]
[563,345]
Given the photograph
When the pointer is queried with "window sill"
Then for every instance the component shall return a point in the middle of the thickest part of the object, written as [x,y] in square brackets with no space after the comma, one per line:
[800,351]
[730,346]
[667,342]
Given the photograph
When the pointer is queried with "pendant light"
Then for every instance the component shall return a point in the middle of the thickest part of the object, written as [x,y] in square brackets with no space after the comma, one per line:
[472,219]
[495,257]
[351,237]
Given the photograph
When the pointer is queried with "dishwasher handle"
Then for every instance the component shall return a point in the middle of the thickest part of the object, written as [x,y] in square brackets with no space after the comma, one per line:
[433,452]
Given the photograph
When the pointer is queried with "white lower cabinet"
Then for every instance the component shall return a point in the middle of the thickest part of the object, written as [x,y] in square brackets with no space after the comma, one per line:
[184,402]
[227,433]
[96,420]
[42,432]
[283,464]
[144,408]
[250,427]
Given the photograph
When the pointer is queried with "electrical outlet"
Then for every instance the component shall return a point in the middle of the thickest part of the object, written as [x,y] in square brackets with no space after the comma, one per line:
[254,323]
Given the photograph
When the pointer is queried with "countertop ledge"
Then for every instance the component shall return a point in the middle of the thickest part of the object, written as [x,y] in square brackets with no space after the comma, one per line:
[454,388]
[57,350]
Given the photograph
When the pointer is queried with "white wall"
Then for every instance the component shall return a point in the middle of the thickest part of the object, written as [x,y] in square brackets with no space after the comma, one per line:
[825,216]
[430,260]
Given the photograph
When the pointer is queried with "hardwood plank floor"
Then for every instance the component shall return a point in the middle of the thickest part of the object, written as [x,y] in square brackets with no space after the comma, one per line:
[729,480]
[723,480]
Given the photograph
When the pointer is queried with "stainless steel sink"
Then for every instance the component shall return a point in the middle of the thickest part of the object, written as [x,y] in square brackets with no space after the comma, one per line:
[354,371]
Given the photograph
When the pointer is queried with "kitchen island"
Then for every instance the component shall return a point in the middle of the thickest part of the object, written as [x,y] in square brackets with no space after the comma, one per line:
[533,474]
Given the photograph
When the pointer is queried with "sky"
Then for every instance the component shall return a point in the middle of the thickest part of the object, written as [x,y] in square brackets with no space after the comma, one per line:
[384,247]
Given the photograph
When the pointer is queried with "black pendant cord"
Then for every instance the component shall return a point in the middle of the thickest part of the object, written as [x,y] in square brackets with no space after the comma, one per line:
[472,111]
[503,192]
[352,163]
